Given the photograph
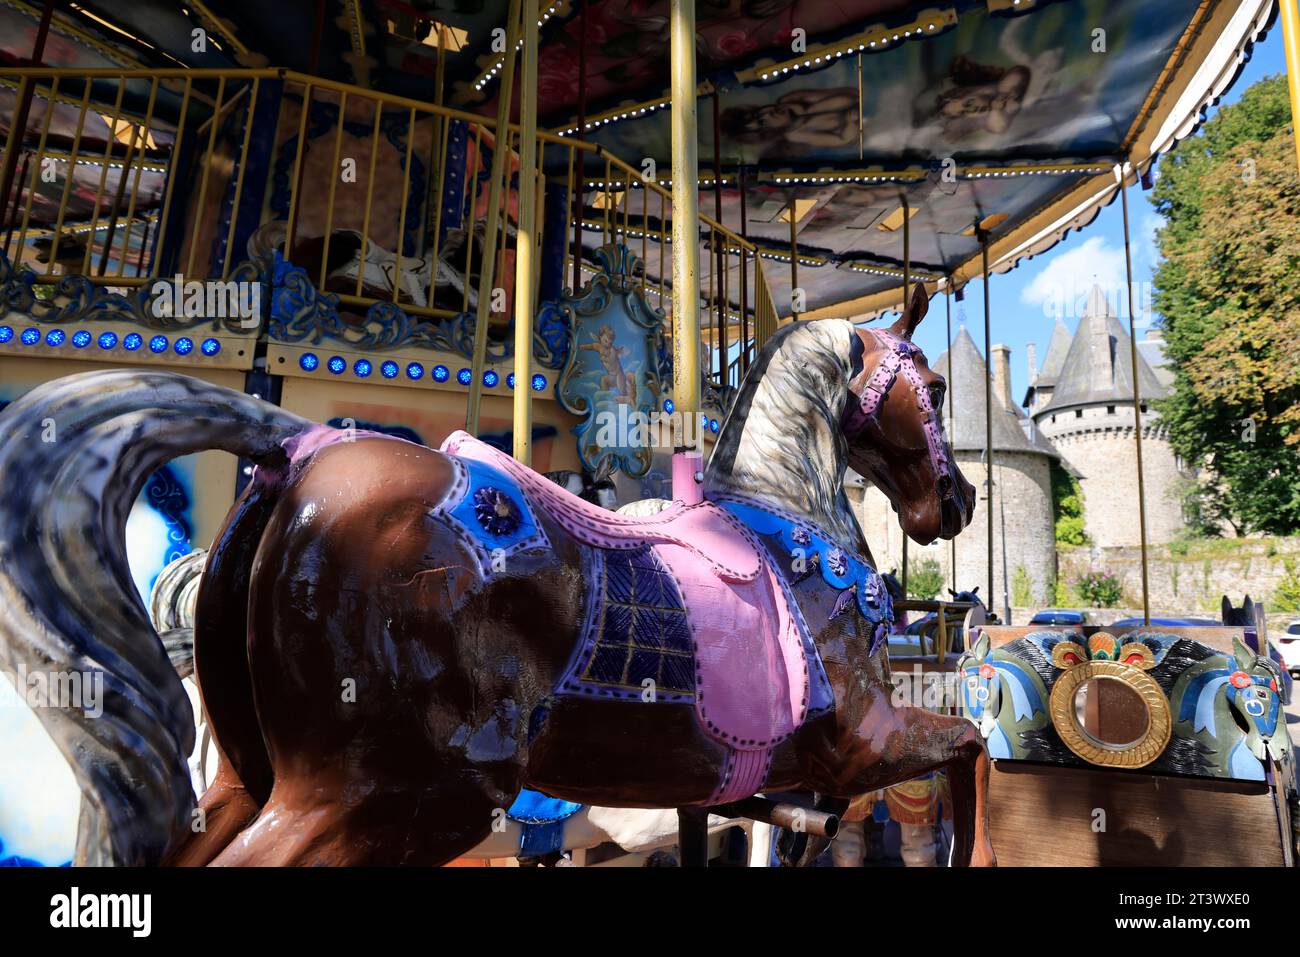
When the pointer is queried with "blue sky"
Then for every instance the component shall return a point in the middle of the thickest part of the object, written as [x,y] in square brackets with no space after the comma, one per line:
[1022,299]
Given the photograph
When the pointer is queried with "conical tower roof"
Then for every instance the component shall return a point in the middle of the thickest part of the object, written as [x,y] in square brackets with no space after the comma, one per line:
[963,367]
[1098,367]
[1054,361]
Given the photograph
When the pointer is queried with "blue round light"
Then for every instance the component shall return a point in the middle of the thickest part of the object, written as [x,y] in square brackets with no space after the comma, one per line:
[81,339]
[439,373]
[713,425]
[463,376]
[55,337]
[668,406]
[6,333]
[414,371]
[490,379]
[107,340]
[31,337]
[210,347]
[510,380]
[389,369]
[704,421]
[132,341]
[539,382]
[184,346]
[158,344]
[362,368]
[337,365]
[308,361]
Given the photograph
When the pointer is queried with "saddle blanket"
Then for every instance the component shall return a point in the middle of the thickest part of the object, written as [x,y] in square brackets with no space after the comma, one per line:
[683,606]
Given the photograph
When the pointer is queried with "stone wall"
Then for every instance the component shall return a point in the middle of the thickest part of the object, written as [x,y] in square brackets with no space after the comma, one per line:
[1030,541]
[1191,578]
[1098,444]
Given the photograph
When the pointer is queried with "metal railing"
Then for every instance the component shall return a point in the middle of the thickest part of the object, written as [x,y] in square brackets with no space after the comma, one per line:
[379,198]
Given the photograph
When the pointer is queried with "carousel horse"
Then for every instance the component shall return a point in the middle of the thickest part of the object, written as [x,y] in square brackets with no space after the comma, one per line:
[393,641]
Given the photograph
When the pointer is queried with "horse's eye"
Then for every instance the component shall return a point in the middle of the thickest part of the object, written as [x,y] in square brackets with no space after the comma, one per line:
[936,396]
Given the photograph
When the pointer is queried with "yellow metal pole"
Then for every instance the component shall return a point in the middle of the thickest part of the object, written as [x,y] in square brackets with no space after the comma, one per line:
[686,236]
[1137,400]
[500,170]
[1291,44]
[526,244]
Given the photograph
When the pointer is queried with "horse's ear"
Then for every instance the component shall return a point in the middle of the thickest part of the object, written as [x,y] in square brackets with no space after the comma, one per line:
[1226,610]
[913,314]
[1245,657]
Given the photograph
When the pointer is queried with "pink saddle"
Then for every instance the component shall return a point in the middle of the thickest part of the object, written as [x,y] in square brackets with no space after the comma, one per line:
[712,535]
[752,672]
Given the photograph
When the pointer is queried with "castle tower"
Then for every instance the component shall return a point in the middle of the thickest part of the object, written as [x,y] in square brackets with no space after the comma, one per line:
[1022,488]
[1088,416]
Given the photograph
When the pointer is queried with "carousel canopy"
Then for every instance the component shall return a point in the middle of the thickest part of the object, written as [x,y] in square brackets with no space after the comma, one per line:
[1002,118]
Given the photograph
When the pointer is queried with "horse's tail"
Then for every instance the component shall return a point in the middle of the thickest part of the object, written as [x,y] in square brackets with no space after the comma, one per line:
[74,454]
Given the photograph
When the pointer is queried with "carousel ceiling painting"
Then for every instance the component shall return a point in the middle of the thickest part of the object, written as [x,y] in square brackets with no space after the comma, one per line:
[1000,119]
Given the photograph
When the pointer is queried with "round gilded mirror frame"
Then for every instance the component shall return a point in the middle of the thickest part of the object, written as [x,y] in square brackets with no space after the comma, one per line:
[1135,754]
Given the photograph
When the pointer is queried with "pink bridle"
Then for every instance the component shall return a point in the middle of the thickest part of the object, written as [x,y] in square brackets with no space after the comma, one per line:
[900,356]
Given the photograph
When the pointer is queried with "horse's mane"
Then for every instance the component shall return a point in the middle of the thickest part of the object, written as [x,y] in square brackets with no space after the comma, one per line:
[782,442]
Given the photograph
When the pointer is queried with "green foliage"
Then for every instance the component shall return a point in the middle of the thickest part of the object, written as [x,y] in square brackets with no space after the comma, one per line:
[924,579]
[1230,309]
[1060,594]
[1021,591]
[1287,595]
[1099,589]
[1067,507]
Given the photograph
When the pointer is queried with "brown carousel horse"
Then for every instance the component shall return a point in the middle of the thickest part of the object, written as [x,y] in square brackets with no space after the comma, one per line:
[392,641]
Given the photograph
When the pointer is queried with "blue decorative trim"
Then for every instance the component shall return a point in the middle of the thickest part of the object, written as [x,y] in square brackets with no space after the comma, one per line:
[839,567]
[301,313]
[77,299]
[167,496]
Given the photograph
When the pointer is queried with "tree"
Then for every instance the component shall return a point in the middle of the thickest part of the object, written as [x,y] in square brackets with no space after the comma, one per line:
[1230,309]
[1067,507]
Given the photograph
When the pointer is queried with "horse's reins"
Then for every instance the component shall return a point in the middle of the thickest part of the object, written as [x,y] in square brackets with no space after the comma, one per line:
[900,356]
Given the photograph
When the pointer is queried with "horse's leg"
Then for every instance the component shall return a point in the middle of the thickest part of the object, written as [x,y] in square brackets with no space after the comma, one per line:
[901,743]
[225,809]
[308,824]
[968,777]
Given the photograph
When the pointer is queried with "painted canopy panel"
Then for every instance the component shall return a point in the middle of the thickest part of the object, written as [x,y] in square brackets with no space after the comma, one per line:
[848,220]
[992,87]
[627,45]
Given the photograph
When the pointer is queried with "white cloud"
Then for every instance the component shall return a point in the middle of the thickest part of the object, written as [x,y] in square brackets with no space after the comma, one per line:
[1062,285]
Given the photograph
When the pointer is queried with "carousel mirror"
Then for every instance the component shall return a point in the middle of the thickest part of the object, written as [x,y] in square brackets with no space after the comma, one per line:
[1111,714]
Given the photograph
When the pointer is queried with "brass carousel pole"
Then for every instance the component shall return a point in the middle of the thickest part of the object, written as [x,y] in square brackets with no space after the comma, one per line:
[579,185]
[1137,400]
[1291,45]
[526,246]
[952,421]
[500,170]
[988,411]
[907,275]
[687,462]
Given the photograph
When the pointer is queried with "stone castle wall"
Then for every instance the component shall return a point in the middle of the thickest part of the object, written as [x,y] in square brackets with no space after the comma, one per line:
[1098,444]
[1025,480]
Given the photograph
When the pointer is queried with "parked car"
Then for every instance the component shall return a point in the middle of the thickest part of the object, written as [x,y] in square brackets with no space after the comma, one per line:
[1060,616]
[1288,646]
[1164,622]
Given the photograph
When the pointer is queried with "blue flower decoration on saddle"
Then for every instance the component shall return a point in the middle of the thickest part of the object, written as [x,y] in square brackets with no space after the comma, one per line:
[840,569]
[491,509]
